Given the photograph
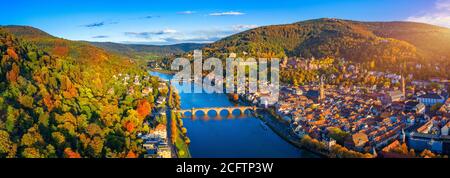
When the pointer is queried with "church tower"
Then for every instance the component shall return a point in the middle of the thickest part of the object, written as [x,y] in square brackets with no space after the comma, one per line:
[322,88]
[403,73]
[374,152]
[403,135]
[403,86]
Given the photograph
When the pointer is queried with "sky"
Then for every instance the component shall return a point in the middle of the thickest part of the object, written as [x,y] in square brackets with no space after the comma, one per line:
[201,21]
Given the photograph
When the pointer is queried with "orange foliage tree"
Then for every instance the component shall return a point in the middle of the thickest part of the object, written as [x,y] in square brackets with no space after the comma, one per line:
[131,154]
[68,153]
[69,89]
[173,128]
[12,53]
[129,126]
[143,108]
[13,74]
[48,102]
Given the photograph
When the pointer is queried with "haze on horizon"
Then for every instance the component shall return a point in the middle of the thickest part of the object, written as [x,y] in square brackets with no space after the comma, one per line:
[203,21]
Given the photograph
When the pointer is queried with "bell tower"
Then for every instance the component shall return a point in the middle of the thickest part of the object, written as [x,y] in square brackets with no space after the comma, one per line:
[403,73]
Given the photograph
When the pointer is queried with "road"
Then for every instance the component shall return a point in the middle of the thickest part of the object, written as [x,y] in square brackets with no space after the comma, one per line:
[168,127]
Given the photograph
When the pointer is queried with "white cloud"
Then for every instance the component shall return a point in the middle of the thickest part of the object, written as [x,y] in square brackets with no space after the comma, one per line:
[435,19]
[243,27]
[200,39]
[100,36]
[150,35]
[168,31]
[229,13]
[186,12]
[171,36]
[440,16]
[443,4]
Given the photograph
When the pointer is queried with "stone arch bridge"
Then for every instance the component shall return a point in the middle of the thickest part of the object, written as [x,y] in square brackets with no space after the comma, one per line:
[230,110]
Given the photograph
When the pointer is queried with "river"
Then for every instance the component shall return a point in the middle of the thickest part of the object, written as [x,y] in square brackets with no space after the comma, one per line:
[230,137]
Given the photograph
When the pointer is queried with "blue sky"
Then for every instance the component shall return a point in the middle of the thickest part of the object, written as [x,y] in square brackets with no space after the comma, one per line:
[177,21]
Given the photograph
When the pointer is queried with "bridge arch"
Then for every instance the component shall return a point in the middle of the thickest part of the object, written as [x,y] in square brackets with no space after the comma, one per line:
[200,111]
[214,112]
[185,113]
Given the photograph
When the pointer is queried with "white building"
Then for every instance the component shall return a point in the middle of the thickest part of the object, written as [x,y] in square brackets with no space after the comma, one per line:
[444,130]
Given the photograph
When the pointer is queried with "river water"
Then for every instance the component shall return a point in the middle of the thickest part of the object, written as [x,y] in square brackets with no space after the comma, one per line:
[230,137]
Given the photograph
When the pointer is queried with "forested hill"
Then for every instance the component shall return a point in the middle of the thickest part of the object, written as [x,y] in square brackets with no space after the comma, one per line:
[431,41]
[388,44]
[27,32]
[81,51]
[56,104]
[142,51]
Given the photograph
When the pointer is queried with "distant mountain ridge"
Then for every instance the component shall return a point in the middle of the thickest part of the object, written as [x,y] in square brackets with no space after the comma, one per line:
[162,50]
[319,34]
[128,50]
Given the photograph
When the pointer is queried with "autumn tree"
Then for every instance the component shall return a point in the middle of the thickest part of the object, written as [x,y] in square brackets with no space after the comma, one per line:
[69,90]
[7,147]
[13,74]
[131,154]
[95,147]
[143,108]
[31,153]
[69,153]
[48,102]
[58,138]
[174,130]
[132,121]
[184,130]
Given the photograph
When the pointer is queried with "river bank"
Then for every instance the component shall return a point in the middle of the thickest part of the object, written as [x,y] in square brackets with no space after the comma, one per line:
[178,138]
[277,126]
[168,72]
[280,127]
